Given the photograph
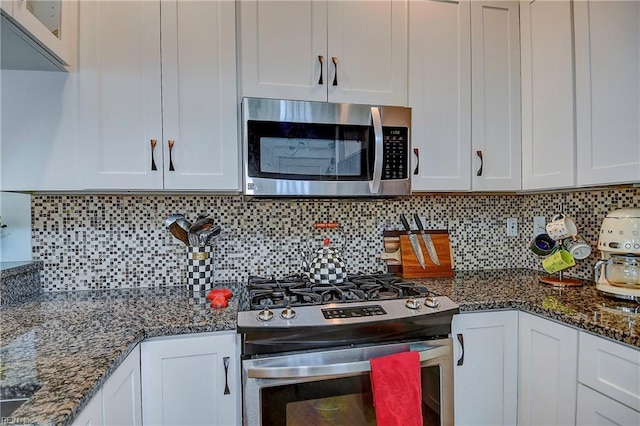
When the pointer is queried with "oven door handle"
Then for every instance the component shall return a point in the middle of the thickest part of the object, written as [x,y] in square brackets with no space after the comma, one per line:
[333,369]
[374,183]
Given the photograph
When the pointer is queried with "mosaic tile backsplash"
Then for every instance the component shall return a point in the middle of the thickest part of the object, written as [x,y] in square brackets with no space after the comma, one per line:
[121,241]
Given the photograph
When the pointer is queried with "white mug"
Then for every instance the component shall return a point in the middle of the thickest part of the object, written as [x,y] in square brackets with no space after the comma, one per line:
[561,227]
[578,247]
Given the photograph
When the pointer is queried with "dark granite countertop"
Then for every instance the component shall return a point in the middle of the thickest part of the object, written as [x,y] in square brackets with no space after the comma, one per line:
[8,269]
[65,345]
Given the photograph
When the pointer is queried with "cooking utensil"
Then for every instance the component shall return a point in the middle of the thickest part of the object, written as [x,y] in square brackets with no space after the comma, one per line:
[197,232]
[177,231]
[211,234]
[184,224]
[413,239]
[428,242]
[168,221]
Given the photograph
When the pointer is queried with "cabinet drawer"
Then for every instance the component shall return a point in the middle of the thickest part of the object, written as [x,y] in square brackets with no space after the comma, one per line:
[595,409]
[610,368]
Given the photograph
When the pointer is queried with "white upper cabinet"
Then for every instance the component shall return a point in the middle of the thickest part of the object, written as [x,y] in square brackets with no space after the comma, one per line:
[440,94]
[495,96]
[38,35]
[548,123]
[199,98]
[607,55]
[157,96]
[325,50]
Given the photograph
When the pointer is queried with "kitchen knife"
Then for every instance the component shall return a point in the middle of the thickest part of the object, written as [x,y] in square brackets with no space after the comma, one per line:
[428,241]
[413,239]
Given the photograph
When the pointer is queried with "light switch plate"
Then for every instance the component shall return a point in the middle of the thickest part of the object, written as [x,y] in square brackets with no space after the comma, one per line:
[512,227]
[539,225]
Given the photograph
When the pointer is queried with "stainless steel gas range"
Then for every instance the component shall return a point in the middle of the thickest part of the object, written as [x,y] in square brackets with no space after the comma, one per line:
[306,348]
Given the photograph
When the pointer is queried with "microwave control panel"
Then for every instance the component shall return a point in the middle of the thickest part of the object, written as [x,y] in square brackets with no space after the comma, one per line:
[395,158]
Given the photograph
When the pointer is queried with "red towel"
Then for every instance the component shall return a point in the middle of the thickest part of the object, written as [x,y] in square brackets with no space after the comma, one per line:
[397,389]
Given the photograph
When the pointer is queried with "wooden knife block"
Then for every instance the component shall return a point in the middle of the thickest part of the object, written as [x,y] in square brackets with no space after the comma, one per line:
[409,267]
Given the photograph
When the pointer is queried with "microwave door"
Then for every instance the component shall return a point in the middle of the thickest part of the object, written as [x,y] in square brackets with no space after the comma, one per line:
[374,183]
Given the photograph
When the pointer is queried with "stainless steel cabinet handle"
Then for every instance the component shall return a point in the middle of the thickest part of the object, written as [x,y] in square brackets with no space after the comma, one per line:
[321,60]
[171,142]
[335,76]
[479,153]
[334,369]
[225,361]
[417,153]
[153,147]
[461,340]
[374,183]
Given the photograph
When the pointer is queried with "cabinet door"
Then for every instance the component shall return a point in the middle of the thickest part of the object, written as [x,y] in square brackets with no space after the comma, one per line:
[440,94]
[122,394]
[607,50]
[91,414]
[610,368]
[597,409]
[120,104]
[50,23]
[548,374]
[280,46]
[548,136]
[199,105]
[39,140]
[183,380]
[486,377]
[495,96]
[369,41]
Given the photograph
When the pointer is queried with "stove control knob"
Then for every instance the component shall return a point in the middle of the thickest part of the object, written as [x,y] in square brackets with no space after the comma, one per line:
[265,315]
[431,302]
[288,313]
[412,303]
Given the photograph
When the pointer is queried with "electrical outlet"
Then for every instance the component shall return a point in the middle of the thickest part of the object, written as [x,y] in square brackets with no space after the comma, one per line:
[512,227]
[539,225]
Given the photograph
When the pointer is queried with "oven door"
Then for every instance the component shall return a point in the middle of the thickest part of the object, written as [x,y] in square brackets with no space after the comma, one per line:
[333,387]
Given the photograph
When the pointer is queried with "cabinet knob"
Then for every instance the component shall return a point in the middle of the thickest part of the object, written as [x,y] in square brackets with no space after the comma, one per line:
[171,142]
[153,147]
[335,76]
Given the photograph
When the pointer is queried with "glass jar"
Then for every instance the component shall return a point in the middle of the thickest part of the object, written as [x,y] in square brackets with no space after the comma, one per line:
[623,270]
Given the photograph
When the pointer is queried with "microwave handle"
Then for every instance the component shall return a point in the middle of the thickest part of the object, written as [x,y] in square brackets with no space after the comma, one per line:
[334,369]
[374,184]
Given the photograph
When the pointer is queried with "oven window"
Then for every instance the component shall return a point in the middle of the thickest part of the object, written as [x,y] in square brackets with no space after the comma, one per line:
[340,401]
[304,151]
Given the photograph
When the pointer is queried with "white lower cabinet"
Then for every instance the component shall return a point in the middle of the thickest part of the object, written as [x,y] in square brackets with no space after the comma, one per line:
[595,408]
[191,380]
[91,414]
[118,402]
[485,367]
[612,371]
[122,393]
[547,372]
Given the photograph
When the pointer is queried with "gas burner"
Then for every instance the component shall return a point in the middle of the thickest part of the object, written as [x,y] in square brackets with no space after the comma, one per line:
[298,290]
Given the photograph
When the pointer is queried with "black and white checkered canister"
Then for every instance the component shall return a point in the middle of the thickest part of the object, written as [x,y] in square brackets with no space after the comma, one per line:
[200,268]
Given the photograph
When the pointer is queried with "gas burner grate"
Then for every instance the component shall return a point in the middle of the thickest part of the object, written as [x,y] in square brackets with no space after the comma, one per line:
[298,290]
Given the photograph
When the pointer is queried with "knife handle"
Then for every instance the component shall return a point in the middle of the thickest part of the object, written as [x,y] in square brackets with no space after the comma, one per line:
[418,223]
[405,223]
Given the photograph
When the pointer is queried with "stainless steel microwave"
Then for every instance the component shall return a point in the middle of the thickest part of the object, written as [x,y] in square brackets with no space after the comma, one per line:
[320,149]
